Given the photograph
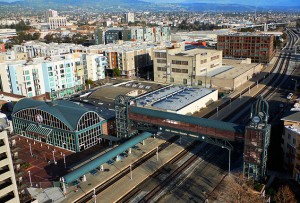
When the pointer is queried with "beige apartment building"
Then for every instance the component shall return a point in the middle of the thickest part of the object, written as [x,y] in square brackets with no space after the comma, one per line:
[8,186]
[291,145]
[174,65]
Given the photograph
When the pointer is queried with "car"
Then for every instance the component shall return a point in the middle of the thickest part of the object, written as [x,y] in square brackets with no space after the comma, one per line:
[290,96]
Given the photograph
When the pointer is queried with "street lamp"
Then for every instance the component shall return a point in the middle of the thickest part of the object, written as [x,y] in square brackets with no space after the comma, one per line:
[295,84]
[94,195]
[30,178]
[65,160]
[30,150]
[53,157]
[229,154]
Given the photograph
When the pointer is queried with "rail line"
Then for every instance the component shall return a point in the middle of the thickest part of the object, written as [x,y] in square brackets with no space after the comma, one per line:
[174,160]
[293,38]
[88,196]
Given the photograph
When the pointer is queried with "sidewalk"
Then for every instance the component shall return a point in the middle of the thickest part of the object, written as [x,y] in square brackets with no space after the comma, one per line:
[124,185]
[241,88]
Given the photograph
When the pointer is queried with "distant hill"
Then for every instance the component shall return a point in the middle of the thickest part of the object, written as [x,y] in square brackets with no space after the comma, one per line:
[138,5]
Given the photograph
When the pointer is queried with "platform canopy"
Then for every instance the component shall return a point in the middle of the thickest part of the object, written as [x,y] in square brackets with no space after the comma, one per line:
[84,169]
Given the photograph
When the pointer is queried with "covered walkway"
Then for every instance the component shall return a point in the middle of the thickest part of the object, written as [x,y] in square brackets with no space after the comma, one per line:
[86,168]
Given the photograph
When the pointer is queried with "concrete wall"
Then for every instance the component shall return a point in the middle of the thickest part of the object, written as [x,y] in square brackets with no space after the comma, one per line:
[201,103]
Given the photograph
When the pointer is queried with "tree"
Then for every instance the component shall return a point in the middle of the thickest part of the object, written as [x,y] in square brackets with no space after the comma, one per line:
[285,195]
[116,72]
[89,82]
[36,36]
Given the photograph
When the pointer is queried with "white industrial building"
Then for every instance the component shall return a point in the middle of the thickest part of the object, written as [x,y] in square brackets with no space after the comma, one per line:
[178,99]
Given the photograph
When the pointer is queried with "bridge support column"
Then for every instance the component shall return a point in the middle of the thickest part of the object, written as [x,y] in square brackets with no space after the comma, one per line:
[101,168]
[143,142]
[129,151]
[83,178]
[118,158]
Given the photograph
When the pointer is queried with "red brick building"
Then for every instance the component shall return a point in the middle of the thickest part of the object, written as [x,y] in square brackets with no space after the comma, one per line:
[258,47]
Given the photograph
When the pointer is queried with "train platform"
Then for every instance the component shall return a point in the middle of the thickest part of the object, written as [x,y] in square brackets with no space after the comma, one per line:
[126,184]
[237,91]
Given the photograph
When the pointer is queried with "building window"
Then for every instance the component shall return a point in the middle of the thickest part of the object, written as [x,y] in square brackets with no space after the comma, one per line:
[184,81]
[294,141]
[180,62]
[27,72]
[171,79]
[289,136]
[50,68]
[161,61]
[199,82]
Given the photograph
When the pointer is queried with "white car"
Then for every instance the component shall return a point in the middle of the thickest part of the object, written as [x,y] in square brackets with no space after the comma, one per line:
[290,96]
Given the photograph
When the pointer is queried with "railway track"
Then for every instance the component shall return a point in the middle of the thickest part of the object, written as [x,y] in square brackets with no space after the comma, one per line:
[174,160]
[293,38]
[210,158]
[88,196]
[270,88]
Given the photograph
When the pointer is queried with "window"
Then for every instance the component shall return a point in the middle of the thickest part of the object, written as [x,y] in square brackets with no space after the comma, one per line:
[289,136]
[180,62]
[161,61]
[50,68]
[27,72]
[171,79]
[27,77]
[184,81]
[199,82]
[160,55]
[294,141]
[50,74]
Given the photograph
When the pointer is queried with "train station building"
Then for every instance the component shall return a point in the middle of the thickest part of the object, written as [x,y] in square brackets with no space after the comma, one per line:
[61,123]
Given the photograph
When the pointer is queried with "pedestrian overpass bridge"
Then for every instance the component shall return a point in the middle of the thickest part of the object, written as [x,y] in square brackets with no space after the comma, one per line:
[131,120]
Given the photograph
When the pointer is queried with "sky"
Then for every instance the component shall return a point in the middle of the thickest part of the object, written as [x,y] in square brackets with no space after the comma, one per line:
[244,2]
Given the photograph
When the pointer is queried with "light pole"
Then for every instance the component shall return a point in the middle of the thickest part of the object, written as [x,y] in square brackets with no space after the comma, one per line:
[296,82]
[54,157]
[130,171]
[30,178]
[30,150]
[94,195]
[65,160]
[229,155]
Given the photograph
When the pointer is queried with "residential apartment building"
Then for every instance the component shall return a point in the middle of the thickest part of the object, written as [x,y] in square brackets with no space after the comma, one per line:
[96,66]
[8,186]
[129,17]
[258,47]
[139,34]
[174,65]
[291,144]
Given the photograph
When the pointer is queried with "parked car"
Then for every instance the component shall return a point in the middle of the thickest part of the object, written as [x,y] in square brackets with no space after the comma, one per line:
[290,96]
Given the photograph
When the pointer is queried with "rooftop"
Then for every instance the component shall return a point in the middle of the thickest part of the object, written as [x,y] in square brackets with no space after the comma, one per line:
[173,98]
[231,68]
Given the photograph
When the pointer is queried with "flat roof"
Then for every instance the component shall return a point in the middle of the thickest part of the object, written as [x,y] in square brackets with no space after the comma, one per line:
[110,92]
[230,69]
[193,52]
[173,98]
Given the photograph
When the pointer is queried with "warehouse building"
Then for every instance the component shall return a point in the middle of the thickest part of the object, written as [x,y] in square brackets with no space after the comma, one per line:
[258,47]
[178,99]
[232,74]
[61,123]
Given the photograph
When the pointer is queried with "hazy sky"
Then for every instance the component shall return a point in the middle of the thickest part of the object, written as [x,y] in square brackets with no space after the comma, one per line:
[245,2]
